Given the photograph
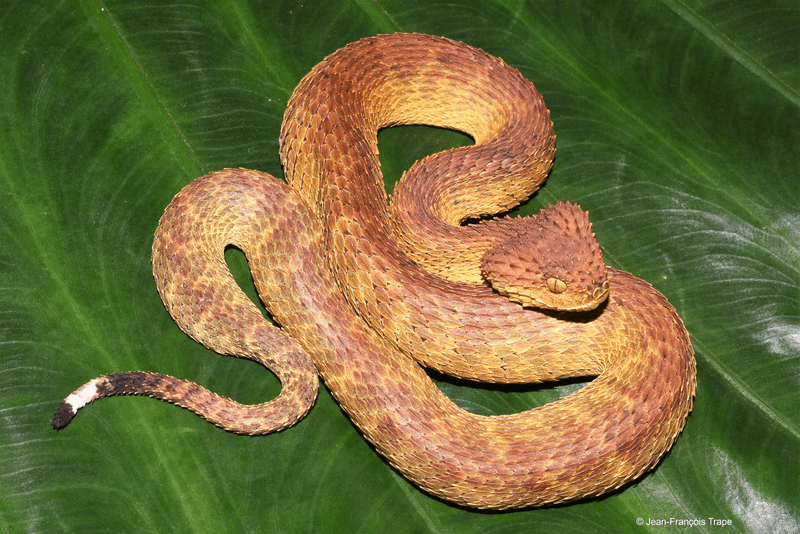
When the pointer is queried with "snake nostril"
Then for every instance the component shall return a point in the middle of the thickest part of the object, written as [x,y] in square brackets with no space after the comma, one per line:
[600,291]
[555,285]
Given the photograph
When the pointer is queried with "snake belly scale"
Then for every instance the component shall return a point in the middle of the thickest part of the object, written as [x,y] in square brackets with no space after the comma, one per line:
[363,302]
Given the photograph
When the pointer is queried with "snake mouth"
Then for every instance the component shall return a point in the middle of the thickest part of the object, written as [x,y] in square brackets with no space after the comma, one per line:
[588,303]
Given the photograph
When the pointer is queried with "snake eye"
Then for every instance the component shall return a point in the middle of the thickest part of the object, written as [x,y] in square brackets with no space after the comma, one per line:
[555,285]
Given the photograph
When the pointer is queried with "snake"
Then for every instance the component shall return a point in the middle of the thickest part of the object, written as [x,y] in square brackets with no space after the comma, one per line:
[370,292]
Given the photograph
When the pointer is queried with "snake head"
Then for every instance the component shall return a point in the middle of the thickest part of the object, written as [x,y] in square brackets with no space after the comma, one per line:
[551,261]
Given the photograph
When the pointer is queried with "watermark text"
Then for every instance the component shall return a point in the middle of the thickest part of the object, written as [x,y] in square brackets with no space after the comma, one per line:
[683,522]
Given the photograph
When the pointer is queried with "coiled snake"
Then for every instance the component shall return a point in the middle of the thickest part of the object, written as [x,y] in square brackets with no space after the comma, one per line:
[330,246]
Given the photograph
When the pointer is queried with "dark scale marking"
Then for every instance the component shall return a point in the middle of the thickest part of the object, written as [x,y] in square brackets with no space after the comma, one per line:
[63,416]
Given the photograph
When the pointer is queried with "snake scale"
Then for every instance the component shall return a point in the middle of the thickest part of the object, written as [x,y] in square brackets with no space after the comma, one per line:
[367,292]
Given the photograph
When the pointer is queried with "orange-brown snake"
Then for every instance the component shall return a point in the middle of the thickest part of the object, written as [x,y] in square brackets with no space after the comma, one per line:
[363,295]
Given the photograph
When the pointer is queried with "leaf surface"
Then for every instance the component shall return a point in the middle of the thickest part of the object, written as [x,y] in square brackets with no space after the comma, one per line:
[677,126]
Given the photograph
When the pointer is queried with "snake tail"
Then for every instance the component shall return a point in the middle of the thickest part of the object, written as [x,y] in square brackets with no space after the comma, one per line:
[223,412]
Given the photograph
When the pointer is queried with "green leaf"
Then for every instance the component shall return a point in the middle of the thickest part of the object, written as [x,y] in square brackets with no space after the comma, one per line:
[677,126]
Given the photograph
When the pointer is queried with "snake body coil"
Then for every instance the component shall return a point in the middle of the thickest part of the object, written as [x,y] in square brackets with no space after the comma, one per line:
[325,248]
